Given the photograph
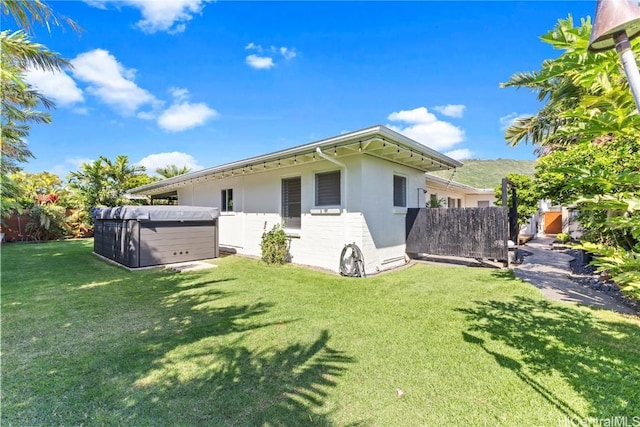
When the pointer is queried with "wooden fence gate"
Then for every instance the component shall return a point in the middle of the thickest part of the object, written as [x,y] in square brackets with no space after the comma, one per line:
[460,232]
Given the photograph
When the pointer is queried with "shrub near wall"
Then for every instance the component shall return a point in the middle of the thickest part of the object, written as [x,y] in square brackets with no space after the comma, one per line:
[274,246]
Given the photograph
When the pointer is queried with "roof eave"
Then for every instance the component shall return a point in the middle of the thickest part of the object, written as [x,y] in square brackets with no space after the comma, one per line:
[337,142]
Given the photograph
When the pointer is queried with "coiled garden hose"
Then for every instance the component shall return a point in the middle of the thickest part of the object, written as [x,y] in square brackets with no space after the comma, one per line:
[352,261]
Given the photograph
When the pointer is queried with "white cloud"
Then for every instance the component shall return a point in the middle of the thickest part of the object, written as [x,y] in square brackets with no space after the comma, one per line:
[185,116]
[265,58]
[506,121]
[100,4]
[451,110]
[146,115]
[417,115]
[426,128]
[260,62]
[55,85]
[111,82]
[288,53]
[71,164]
[460,154]
[170,16]
[179,94]
[161,160]
[77,161]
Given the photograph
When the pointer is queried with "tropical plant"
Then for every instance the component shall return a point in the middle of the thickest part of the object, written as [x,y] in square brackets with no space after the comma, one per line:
[28,12]
[48,221]
[104,182]
[588,134]
[434,202]
[79,223]
[18,100]
[36,185]
[170,171]
[586,95]
[622,265]
[528,197]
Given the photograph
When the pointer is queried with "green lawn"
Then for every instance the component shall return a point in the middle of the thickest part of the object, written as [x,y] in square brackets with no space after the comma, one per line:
[88,343]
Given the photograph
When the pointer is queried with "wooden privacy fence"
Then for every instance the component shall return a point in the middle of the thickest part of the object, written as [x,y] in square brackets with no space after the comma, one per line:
[461,232]
[14,228]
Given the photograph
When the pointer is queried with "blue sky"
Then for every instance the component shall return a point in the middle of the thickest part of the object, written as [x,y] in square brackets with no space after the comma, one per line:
[204,83]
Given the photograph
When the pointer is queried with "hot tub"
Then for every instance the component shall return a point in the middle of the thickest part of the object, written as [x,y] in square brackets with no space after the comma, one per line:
[143,236]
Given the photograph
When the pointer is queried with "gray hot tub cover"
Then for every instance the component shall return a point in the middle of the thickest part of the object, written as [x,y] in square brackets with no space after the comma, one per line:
[157,213]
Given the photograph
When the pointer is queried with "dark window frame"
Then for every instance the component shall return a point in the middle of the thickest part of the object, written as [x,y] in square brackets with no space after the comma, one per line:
[226,200]
[291,202]
[399,191]
[326,191]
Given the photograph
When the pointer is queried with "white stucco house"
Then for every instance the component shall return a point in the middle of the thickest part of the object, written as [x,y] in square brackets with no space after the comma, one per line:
[445,193]
[351,188]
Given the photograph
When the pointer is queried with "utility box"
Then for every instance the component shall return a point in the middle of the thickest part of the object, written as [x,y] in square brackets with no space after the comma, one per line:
[143,236]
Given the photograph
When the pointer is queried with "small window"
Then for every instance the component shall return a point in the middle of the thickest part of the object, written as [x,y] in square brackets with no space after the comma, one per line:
[459,203]
[328,189]
[483,203]
[451,203]
[227,200]
[291,202]
[399,191]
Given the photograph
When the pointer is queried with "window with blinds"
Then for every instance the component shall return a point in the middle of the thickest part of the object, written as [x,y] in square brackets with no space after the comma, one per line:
[328,189]
[399,191]
[292,202]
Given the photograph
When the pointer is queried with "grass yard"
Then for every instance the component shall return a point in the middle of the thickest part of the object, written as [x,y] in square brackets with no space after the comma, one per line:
[244,344]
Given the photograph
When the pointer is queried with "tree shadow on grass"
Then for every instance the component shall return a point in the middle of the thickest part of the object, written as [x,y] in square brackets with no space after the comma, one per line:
[176,349]
[234,385]
[599,359]
[208,381]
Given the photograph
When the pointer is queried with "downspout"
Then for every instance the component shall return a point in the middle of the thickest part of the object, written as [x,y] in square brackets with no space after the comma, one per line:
[345,228]
[343,166]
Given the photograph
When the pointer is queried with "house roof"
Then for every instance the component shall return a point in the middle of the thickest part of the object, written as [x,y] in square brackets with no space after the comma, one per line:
[443,183]
[378,141]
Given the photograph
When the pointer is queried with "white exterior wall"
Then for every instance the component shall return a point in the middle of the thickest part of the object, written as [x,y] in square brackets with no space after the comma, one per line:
[367,216]
[471,200]
[383,229]
[467,200]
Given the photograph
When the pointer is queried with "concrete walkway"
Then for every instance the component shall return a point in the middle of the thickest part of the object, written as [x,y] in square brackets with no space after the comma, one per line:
[549,271]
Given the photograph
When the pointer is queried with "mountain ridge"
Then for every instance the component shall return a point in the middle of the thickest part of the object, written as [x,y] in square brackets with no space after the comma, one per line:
[482,173]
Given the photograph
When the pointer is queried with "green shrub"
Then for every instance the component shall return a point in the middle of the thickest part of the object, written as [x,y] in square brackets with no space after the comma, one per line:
[79,223]
[48,222]
[622,265]
[274,245]
[563,237]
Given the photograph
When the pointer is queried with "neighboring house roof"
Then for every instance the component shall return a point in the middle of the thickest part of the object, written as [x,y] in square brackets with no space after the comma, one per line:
[378,141]
[444,184]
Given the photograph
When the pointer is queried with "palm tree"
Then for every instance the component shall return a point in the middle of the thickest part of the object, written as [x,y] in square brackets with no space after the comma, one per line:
[585,94]
[18,54]
[104,182]
[27,12]
[18,100]
[170,171]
